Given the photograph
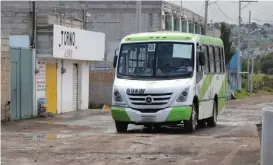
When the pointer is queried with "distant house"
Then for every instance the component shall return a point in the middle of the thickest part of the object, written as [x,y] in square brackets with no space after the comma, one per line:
[270,48]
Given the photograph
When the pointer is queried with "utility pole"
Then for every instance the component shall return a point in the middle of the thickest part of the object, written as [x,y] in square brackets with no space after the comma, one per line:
[248,54]
[239,85]
[181,11]
[138,15]
[252,70]
[34,59]
[239,45]
[206,17]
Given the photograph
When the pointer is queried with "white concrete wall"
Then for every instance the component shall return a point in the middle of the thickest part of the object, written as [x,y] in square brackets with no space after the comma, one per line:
[84,87]
[65,85]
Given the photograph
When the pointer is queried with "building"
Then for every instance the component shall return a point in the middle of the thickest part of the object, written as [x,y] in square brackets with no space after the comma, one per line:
[5,75]
[62,50]
[65,70]
[114,18]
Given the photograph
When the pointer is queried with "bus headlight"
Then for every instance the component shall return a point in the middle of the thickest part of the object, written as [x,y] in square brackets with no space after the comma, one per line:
[184,95]
[117,96]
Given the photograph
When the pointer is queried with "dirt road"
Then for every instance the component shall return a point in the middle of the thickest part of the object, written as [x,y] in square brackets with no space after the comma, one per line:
[88,137]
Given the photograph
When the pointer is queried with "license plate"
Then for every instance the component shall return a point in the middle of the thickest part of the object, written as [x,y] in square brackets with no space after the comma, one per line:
[148,118]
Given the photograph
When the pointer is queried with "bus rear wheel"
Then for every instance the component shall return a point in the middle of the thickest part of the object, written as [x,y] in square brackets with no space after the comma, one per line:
[121,127]
[212,121]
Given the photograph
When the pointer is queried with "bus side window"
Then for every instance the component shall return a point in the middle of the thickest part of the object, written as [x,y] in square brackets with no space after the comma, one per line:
[211,60]
[199,70]
[223,60]
[207,66]
[217,59]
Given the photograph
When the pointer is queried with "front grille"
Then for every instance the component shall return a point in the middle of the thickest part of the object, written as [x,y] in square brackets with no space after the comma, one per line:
[157,98]
[147,110]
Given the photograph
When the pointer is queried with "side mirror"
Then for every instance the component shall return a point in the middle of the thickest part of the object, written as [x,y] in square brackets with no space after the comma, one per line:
[115,61]
[202,58]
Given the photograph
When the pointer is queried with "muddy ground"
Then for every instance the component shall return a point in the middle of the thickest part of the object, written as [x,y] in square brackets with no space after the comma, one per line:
[89,137]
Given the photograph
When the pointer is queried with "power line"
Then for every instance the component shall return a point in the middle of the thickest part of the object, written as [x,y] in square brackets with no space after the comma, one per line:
[223,12]
[262,12]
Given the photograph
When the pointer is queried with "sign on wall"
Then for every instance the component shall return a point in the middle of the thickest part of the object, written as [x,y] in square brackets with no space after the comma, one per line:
[78,44]
[99,68]
[41,76]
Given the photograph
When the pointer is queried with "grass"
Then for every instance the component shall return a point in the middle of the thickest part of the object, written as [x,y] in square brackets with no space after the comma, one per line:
[258,78]
[242,94]
[267,89]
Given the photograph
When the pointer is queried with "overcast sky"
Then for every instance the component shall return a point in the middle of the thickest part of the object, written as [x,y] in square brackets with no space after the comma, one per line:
[262,11]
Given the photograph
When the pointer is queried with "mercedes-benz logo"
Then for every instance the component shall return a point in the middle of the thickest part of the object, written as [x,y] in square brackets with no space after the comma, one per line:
[148,100]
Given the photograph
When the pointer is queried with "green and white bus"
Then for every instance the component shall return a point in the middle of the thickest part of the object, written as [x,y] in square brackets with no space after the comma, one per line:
[168,78]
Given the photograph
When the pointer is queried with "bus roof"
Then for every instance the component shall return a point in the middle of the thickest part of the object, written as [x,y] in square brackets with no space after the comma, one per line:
[168,35]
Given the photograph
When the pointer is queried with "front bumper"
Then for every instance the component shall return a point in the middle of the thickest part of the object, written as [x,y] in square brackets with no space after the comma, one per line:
[171,114]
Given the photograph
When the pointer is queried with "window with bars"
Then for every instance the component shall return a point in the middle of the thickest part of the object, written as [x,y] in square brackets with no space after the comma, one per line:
[198,29]
[195,28]
[168,22]
[176,24]
[184,26]
[191,28]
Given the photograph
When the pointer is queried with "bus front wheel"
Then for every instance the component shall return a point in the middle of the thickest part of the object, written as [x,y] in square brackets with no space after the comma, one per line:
[191,124]
[121,127]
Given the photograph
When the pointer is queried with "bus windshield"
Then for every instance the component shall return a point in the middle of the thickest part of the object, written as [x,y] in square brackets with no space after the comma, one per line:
[157,59]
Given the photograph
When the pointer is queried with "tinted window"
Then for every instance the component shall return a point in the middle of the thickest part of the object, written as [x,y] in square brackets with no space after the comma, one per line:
[207,66]
[222,60]
[211,60]
[217,60]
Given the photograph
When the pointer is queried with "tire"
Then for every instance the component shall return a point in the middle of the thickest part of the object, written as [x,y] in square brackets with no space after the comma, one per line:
[202,123]
[157,127]
[121,127]
[212,121]
[191,124]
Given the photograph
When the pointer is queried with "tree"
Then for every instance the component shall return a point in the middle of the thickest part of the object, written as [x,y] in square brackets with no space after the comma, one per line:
[267,25]
[253,25]
[217,25]
[257,65]
[267,63]
[228,42]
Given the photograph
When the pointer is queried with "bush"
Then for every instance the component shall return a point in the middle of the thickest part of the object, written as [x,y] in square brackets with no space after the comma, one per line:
[241,94]
[270,90]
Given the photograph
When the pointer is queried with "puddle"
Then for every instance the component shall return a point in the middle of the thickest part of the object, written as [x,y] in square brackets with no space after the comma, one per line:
[53,136]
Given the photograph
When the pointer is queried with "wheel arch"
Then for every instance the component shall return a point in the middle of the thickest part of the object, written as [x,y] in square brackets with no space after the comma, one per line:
[196,103]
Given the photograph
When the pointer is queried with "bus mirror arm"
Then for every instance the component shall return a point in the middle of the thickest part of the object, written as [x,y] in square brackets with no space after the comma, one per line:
[115,61]
[202,58]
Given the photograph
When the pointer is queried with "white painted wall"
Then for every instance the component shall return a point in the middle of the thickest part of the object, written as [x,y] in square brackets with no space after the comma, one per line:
[64,85]
[84,87]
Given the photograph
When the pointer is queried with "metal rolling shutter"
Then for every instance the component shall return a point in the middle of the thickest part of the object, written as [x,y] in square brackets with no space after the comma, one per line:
[75,87]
